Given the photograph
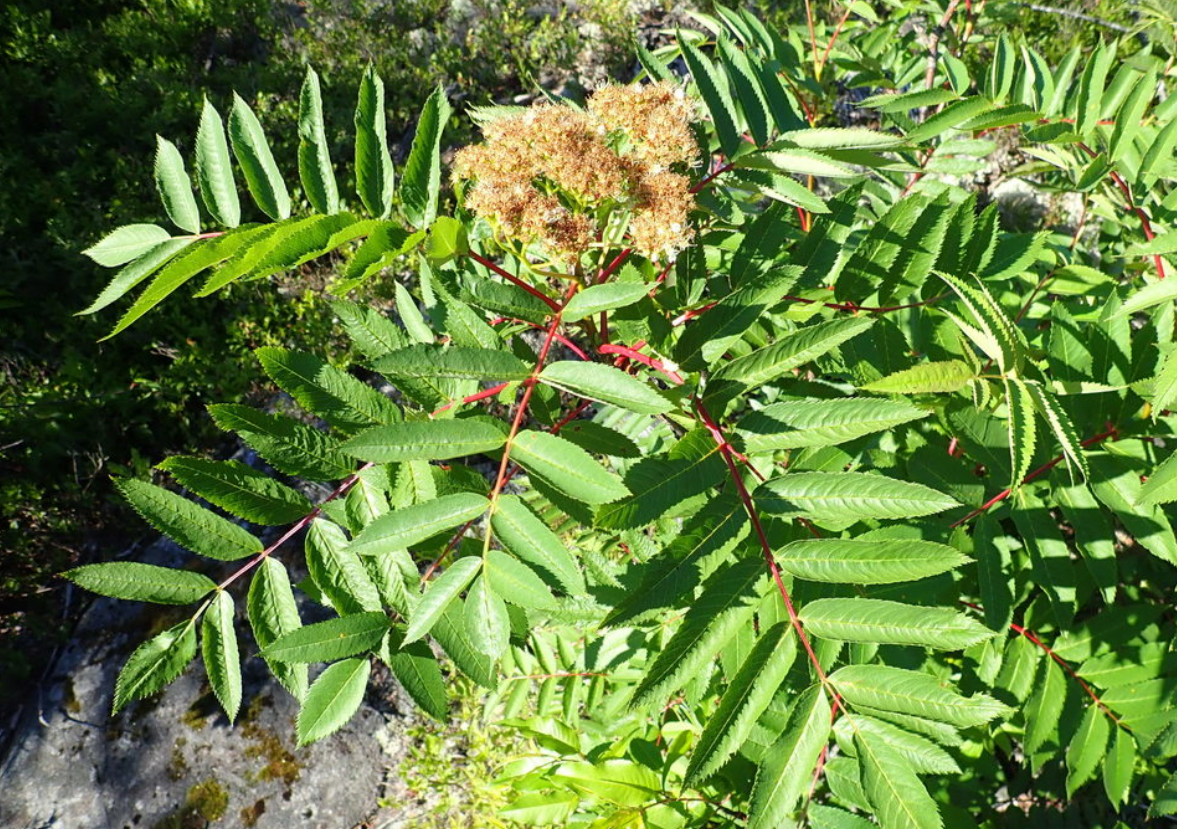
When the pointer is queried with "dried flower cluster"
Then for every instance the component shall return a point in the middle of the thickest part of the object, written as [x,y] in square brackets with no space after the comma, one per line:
[553,174]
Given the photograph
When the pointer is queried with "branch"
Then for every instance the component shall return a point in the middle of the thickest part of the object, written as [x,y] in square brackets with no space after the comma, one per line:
[1033,637]
[514,280]
[1111,432]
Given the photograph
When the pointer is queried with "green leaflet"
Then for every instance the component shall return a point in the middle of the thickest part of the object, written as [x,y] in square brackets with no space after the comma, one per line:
[485,618]
[1087,748]
[924,756]
[314,156]
[598,439]
[899,799]
[691,468]
[949,117]
[238,489]
[417,670]
[273,613]
[197,257]
[1118,486]
[453,361]
[1020,422]
[135,272]
[706,541]
[1161,486]
[541,808]
[747,91]
[438,596]
[902,102]
[567,467]
[214,172]
[998,337]
[128,242]
[606,384]
[619,781]
[912,692]
[719,102]
[372,332]
[174,186]
[1118,766]
[426,440]
[705,341]
[155,663]
[411,525]
[1151,295]
[142,582]
[827,817]
[374,176]
[926,378]
[386,243]
[218,646]
[728,601]
[788,765]
[849,496]
[801,162]
[291,447]
[744,701]
[530,539]
[792,350]
[608,297]
[324,390]
[778,187]
[1060,423]
[187,523]
[285,245]
[422,176]
[330,640]
[812,422]
[332,700]
[1045,707]
[841,138]
[257,161]
[449,632]
[337,572]
[854,561]
[516,582]
[892,623]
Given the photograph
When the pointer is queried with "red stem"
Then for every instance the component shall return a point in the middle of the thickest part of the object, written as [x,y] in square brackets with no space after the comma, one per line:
[294,529]
[657,365]
[725,449]
[510,277]
[1040,471]
[482,395]
[833,39]
[1126,191]
[1033,637]
[710,177]
[612,267]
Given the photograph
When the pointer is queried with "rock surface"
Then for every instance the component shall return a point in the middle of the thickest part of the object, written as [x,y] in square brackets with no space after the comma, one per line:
[173,761]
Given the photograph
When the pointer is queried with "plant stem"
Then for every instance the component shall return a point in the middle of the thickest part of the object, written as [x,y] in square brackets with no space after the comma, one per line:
[514,280]
[1033,637]
[725,449]
[1111,432]
[296,527]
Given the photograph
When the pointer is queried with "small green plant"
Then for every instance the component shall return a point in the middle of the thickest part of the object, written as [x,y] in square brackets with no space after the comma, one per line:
[754,470]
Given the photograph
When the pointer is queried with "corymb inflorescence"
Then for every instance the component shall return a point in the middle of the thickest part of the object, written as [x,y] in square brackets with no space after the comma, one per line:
[563,178]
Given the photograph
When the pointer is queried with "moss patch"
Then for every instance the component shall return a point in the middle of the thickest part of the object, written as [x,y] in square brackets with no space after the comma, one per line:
[205,803]
[280,762]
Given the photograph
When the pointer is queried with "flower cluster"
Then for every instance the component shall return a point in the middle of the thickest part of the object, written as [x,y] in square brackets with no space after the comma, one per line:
[554,174]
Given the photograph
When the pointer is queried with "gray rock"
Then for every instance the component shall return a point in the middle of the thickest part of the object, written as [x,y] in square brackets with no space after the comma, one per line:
[173,761]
